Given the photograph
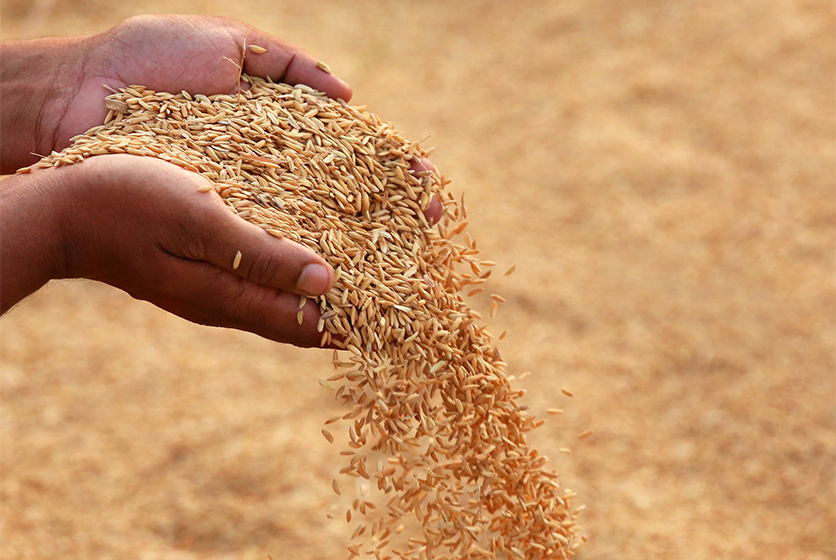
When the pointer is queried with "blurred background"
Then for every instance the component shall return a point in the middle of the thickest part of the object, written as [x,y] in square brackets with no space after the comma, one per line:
[662,174]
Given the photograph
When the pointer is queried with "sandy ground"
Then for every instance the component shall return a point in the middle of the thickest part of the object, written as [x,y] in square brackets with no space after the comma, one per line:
[662,174]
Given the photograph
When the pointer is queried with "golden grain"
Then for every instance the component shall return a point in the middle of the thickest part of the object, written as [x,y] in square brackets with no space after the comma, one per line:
[434,424]
[257,49]
[236,262]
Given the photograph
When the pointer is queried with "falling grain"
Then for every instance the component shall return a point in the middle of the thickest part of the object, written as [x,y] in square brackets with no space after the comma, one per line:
[430,408]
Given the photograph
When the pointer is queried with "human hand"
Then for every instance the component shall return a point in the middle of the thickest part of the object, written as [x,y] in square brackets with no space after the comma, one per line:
[54,89]
[198,54]
[141,224]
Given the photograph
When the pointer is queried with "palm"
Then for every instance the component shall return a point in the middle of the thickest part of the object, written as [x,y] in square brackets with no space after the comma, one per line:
[173,55]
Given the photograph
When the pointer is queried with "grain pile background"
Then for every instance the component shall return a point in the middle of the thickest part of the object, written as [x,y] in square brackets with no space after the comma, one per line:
[661,173]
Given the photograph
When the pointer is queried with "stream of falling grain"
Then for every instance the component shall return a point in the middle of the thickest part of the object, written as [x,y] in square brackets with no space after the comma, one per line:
[436,441]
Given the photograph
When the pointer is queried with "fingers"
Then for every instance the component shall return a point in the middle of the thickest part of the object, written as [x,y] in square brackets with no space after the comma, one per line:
[249,252]
[435,210]
[145,226]
[285,62]
[204,294]
[189,224]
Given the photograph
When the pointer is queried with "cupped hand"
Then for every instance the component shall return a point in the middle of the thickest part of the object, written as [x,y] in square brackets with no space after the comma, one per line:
[174,53]
[142,225]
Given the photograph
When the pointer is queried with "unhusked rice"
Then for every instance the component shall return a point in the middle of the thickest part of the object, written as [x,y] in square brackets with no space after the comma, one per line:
[436,441]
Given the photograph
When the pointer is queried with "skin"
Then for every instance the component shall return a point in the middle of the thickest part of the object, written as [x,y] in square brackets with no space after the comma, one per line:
[141,224]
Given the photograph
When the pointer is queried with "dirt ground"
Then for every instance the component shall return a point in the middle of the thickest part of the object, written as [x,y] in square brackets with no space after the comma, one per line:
[661,173]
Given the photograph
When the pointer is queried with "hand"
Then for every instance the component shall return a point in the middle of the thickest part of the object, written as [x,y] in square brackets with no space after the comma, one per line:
[198,54]
[142,225]
[54,89]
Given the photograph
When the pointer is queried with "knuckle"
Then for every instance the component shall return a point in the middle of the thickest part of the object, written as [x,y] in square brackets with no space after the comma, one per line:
[232,297]
[266,268]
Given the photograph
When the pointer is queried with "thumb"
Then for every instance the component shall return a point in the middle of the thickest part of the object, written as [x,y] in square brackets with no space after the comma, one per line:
[246,250]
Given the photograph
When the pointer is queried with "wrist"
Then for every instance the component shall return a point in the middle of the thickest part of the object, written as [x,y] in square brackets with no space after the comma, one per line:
[32,233]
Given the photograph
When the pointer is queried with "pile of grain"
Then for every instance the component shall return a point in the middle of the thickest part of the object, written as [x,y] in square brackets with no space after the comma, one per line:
[436,447]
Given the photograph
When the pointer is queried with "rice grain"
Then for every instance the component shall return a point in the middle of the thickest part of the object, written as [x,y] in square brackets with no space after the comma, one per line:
[435,430]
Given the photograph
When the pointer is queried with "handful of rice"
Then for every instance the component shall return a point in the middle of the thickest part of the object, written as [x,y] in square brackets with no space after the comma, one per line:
[436,439]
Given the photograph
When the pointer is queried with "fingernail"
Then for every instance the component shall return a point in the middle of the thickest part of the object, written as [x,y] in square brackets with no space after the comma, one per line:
[428,165]
[313,280]
[434,211]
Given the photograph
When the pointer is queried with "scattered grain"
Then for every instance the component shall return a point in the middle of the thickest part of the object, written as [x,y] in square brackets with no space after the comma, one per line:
[433,422]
